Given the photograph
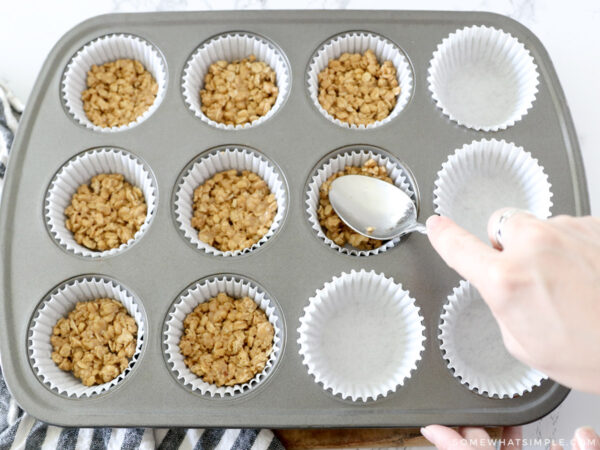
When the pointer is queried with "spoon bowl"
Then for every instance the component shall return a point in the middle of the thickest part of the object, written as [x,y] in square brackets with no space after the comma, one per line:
[373,207]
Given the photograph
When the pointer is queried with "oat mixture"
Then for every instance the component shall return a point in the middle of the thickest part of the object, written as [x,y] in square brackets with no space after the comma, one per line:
[233,210]
[332,225]
[95,341]
[227,341]
[118,92]
[357,90]
[106,213]
[238,92]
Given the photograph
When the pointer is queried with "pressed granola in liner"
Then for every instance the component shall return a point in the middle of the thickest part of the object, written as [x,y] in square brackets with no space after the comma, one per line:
[233,210]
[106,213]
[354,42]
[234,286]
[356,89]
[118,92]
[206,166]
[95,341]
[238,92]
[230,47]
[79,171]
[58,304]
[109,49]
[226,340]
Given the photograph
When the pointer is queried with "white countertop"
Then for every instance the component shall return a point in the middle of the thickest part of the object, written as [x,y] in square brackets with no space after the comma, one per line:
[569,30]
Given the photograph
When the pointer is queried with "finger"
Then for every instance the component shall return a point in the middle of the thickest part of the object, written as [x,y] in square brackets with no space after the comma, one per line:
[444,438]
[505,224]
[587,439]
[556,446]
[461,250]
[475,436]
[512,438]
[512,345]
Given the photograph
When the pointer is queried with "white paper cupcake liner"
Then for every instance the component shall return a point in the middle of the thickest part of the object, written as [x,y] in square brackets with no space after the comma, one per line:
[337,164]
[80,170]
[202,291]
[474,350]
[487,175]
[360,42]
[232,47]
[361,336]
[101,51]
[204,168]
[483,78]
[58,304]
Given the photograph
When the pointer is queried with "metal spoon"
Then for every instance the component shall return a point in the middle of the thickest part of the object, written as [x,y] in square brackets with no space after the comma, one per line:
[373,207]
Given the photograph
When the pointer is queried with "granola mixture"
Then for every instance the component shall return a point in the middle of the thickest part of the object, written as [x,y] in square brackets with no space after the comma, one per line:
[357,90]
[233,210]
[332,225]
[95,341]
[118,92]
[238,92]
[227,341]
[106,213]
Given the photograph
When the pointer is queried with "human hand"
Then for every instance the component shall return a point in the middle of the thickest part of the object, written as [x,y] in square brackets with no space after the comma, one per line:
[543,289]
[468,438]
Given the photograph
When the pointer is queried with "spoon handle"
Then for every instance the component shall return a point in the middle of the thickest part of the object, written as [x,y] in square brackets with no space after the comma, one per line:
[418,227]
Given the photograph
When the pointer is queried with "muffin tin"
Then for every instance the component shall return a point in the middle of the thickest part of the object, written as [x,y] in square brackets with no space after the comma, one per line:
[294,262]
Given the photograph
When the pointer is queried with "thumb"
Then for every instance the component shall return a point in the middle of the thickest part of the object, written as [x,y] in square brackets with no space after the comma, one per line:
[444,438]
[587,439]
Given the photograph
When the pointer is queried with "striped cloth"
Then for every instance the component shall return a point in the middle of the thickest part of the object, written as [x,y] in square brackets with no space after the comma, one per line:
[18,430]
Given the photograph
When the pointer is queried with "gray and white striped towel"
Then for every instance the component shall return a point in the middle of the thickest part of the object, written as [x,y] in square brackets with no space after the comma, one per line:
[18,430]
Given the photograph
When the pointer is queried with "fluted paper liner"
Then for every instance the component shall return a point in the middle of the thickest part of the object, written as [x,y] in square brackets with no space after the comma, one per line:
[202,291]
[361,336]
[101,51]
[337,164]
[483,78]
[205,168]
[233,47]
[58,304]
[80,170]
[360,42]
[474,350]
[487,175]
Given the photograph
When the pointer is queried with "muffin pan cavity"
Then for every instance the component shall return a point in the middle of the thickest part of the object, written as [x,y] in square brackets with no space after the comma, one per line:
[487,175]
[354,156]
[473,347]
[80,170]
[103,50]
[229,47]
[219,160]
[234,286]
[360,42]
[361,336]
[307,285]
[483,78]
[56,305]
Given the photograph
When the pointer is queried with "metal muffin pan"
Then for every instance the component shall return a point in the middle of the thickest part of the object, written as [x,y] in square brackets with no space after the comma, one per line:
[293,263]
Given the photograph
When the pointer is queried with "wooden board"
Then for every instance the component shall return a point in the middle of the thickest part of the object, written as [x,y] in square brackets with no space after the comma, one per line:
[303,439]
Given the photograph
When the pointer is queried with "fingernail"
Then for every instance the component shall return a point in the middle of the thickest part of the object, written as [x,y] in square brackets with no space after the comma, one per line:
[424,430]
[586,437]
[432,221]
